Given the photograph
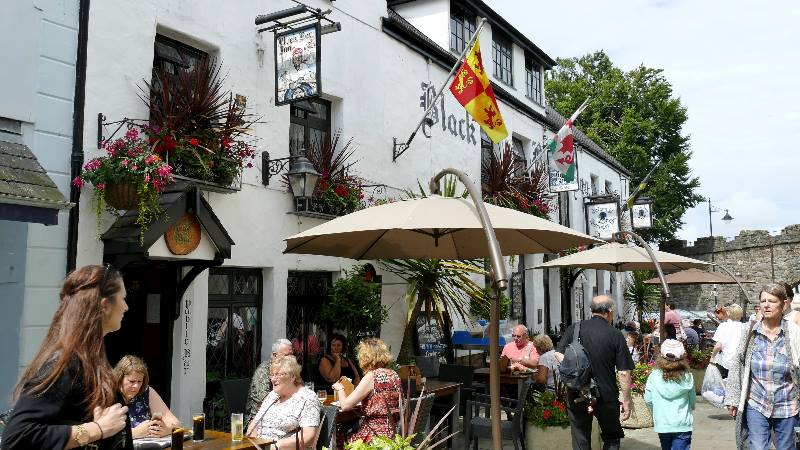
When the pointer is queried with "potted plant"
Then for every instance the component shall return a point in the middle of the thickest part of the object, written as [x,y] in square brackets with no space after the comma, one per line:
[338,190]
[508,183]
[547,422]
[641,417]
[698,361]
[130,176]
[197,126]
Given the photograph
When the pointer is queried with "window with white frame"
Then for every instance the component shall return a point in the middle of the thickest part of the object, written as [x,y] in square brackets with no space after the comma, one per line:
[462,27]
[503,60]
[533,79]
[518,149]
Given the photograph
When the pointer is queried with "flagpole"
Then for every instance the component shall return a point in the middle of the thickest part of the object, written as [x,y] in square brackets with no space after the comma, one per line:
[400,148]
[638,191]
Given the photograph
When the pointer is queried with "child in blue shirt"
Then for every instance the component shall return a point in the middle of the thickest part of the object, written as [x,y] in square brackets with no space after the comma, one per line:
[669,393]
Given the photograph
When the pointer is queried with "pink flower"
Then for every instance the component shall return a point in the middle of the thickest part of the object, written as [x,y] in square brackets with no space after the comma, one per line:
[133,133]
[101,186]
[134,167]
[125,162]
[147,178]
[78,182]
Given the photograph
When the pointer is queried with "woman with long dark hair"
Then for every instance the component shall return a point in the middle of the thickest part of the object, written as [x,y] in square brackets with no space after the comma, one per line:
[336,364]
[67,397]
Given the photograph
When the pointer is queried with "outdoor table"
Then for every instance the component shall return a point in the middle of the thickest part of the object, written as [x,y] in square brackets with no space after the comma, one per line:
[438,388]
[220,440]
[512,378]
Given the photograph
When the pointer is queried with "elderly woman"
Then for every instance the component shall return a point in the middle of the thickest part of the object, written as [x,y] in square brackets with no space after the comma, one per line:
[289,414]
[548,364]
[762,389]
[150,416]
[336,364]
[727,338]
[378,392]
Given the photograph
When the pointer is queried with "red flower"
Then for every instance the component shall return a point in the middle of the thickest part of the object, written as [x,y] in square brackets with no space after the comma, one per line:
[169,143]
[341,191]
[547,414]
[226,142]
[194,141]
[323,185]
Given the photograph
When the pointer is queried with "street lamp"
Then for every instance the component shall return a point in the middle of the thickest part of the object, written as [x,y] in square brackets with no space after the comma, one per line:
[302,175]
[726,218]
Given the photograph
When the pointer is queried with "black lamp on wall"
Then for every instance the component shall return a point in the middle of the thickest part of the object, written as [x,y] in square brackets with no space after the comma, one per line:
[302,175]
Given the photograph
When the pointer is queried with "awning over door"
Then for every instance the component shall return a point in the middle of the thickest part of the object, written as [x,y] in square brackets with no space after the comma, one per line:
[27,193]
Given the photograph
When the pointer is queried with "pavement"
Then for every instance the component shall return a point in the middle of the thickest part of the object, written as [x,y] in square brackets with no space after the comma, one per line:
[713,430]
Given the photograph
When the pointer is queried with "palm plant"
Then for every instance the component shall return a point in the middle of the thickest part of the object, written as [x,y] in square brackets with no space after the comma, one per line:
[642,298]
[443,288]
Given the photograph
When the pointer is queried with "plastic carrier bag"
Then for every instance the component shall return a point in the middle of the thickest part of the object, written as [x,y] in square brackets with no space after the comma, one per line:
[713,388]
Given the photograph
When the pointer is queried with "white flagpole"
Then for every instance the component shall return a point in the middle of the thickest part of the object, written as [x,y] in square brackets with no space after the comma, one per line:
[467,48]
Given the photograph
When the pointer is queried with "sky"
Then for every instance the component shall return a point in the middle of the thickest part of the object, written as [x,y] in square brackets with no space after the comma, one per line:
[734,64]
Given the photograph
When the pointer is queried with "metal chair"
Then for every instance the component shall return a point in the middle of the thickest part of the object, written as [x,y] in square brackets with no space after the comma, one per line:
[478,423]
[235,393]
[327,428]
[423,417]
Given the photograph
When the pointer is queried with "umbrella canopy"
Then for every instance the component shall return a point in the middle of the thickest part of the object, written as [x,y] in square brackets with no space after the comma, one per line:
[433,227]
[622,258]
[697,276]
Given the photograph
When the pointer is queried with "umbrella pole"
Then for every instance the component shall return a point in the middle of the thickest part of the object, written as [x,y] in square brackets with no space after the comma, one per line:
[664,288]
[744,293]
[499,283]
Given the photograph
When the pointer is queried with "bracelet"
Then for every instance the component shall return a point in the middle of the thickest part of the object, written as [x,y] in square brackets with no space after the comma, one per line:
[99,428]
[81,435]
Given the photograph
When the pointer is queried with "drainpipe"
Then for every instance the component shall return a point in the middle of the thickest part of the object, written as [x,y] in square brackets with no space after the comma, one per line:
[76,157]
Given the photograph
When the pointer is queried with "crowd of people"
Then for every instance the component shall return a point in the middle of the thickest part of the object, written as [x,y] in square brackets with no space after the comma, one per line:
[70,396]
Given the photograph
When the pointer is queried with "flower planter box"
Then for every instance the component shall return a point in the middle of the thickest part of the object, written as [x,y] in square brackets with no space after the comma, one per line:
[556,438]
[641,417]
[122,196]
[698,375]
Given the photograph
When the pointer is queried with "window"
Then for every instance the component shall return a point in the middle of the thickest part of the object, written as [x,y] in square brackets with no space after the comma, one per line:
[595,184]
[609,187]
[171,55]
[462,27]
[533,80]
[310,124]
[487,152]
[501,52]
[518,150]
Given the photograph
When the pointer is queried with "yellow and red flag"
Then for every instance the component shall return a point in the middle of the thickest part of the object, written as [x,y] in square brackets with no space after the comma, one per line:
[472,89]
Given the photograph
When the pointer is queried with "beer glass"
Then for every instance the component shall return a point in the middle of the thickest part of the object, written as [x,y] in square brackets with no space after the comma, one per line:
[237,427]
[198,426]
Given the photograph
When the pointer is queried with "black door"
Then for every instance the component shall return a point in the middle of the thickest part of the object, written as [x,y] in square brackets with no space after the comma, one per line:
[306,293]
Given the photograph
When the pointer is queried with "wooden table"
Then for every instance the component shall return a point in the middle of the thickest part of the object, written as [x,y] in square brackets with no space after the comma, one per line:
[511,378]
[219,440]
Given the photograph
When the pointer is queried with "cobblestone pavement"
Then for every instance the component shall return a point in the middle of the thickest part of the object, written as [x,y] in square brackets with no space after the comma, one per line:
[713,430]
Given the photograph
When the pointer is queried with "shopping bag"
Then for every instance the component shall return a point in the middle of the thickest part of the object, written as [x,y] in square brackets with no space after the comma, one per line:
[713,387]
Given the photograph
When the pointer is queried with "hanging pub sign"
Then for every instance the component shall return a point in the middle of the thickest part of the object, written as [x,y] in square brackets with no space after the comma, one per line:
[183,236]
[297,64]
[641,214]
[602,218]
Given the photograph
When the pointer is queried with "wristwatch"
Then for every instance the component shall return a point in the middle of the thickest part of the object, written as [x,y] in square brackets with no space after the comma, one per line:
[81,435]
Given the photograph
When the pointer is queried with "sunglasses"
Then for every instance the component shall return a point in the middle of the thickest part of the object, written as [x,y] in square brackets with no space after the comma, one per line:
[107,275]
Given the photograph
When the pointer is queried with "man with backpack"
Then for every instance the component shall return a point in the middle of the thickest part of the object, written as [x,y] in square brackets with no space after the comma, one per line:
[591,352]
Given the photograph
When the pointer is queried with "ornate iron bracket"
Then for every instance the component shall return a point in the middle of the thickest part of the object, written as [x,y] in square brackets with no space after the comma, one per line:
[101,122]
[400,148]
[271,167]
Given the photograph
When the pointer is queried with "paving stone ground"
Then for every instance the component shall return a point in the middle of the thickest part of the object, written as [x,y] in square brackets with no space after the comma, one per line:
[713,430]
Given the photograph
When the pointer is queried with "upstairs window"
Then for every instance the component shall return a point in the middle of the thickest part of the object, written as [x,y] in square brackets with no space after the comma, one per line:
[533,80]
[309,124]
[462,27]
[171,55]
[518,149]
[503,62]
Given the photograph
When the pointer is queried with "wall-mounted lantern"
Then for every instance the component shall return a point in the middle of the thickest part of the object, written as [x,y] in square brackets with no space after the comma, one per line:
[602,216]
[302,176]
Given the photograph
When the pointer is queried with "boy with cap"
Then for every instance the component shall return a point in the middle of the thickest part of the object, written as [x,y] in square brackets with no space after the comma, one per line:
[669,393]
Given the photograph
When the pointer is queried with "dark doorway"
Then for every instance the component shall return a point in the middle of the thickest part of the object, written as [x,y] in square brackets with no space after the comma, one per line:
[147,326]
[306,293]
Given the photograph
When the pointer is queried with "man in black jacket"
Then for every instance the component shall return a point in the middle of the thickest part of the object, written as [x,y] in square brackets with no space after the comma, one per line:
[608,354]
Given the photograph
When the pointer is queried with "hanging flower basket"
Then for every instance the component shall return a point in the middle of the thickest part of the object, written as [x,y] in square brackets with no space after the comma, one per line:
[122,196]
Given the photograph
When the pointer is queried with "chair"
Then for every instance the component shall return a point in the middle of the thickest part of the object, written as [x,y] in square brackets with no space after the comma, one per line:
[235,393]
[428,365]
[327,428]
[423,417]
[478,423]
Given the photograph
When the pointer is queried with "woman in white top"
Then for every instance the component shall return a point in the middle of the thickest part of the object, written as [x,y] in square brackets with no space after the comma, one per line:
[290,412]
[727,339]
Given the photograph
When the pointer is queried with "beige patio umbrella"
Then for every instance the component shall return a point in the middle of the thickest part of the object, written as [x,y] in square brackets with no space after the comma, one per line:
[438,227]
[697,276]
[618,257]
[433,227]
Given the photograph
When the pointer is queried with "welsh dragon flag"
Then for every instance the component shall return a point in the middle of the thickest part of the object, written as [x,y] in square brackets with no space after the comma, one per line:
[561,148]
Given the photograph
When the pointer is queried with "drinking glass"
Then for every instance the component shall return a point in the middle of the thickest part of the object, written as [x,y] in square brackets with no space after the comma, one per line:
[310,385]
[198,426]
[177,439]
[237,427]
[322,396]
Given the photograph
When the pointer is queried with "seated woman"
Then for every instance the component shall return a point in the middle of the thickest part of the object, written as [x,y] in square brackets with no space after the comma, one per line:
[548,364]
[378,392]
[336,364]
[150,416]
[289,414]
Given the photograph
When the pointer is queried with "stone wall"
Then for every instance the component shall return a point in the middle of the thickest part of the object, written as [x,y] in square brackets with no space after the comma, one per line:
[753,255]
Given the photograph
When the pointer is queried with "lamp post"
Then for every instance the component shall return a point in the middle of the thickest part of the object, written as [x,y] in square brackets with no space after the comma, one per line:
[726,218]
